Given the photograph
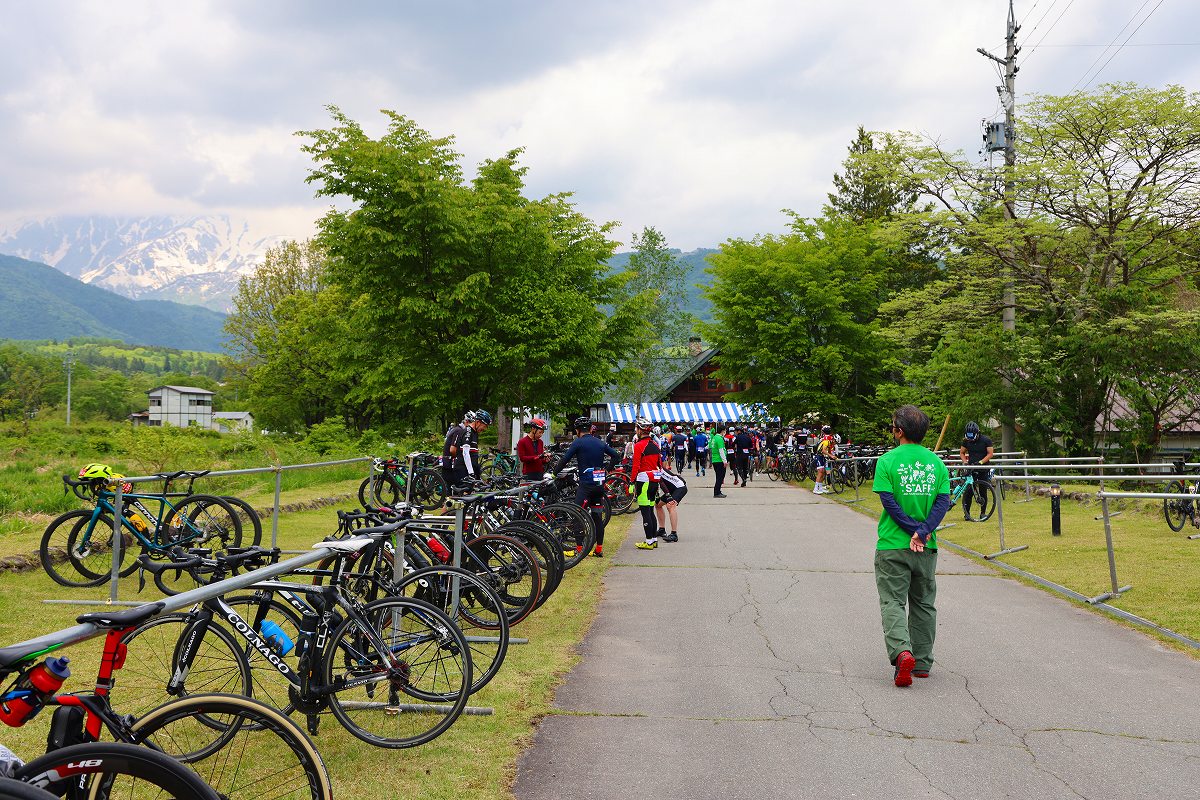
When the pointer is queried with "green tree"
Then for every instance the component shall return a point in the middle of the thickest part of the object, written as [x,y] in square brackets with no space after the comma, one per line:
[868,189]
[656,290]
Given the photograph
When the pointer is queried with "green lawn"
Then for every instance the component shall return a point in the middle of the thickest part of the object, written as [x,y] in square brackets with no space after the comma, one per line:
[474,759]
[1162,566]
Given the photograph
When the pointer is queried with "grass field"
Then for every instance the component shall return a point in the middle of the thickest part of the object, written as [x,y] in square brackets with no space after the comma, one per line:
[1162,566]
[476,758]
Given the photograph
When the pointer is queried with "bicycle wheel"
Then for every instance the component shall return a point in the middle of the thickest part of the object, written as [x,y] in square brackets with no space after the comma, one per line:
[548,556]
[772,470]
[203,520]
[510,569]
[380,490]
[111,770]
[152,659]
[246,514]
[429,489]
[411,692]
[985,495]
[572,528]
[60,537]
[1176,510]
[834,480]
[616,489]
[241,747]
[479,614]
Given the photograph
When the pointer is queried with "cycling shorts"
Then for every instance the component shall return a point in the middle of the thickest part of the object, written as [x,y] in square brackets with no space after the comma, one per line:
[646,491]
[819,461]
[676,494]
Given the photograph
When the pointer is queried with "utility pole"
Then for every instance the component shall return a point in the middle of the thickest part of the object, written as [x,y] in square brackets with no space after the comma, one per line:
[69,361]
[1008,98]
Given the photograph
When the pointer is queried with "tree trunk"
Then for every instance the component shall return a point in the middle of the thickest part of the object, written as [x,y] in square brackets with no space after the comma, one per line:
[503,429]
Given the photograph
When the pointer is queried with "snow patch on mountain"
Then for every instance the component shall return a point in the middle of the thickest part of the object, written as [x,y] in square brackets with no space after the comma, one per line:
[196,260]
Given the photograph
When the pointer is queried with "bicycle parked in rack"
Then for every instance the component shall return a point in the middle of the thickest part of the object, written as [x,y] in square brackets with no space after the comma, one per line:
[963,481]
[1181,511]
[77,547]
[388,484]
[209,733]
[395,672]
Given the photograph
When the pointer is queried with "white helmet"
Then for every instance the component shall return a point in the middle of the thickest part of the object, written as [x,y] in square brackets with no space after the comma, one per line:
[657,430]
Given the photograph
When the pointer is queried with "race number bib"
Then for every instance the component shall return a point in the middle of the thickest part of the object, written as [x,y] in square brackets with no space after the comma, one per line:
[657,474]
[598,475]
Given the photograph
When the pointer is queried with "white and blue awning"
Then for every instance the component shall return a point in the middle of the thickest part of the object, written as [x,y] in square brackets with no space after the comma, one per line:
[685,412]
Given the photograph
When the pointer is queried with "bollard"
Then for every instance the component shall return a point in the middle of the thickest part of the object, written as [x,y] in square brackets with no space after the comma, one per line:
[1055,510]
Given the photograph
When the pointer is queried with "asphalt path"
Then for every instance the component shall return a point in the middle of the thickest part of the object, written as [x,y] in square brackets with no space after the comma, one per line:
[747,661]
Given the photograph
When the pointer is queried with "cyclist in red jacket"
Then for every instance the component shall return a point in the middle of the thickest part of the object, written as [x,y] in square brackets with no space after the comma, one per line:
[645,471]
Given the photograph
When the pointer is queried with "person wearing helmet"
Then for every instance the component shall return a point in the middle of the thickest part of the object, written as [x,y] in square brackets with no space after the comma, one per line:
[531,450]
[466,455]
[672,490]
[700,449]
[611,439]
[976,449]
[679,447]
[450,446]
[645,470]
[825,453]
[743,445]
[595,458]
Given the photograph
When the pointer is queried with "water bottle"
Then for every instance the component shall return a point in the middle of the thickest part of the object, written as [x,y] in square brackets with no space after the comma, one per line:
[37,686]
[439,549]
[276,636]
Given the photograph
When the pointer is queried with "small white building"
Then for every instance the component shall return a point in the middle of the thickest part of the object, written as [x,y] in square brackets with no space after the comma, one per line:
[180,406]
[230,421]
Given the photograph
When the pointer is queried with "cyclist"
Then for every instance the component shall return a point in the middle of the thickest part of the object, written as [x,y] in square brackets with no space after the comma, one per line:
[594,458]
[645,471]
[679,444]
[612,439]
[532,450]
[466,457]
[673,489]
[743,443]
[700,445]
[975,449]
[450,447]
[826,448]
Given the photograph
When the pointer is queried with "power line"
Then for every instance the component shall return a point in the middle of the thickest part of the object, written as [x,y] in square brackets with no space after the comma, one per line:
[1110,44]
[1096,74]
[1042,19]
[1052,26]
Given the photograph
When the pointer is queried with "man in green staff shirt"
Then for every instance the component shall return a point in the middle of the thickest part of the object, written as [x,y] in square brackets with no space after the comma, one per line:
[716,445]
[914,489]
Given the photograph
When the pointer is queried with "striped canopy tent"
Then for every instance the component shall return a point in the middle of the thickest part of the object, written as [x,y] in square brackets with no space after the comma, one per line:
[685,412]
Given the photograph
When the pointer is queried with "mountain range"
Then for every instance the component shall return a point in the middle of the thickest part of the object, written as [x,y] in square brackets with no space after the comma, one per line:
[39,302]
[194,260]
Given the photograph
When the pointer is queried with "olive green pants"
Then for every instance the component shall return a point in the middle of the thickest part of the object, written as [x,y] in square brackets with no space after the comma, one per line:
[907,590]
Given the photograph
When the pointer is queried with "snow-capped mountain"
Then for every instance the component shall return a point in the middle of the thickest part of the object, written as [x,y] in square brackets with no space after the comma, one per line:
[195,260]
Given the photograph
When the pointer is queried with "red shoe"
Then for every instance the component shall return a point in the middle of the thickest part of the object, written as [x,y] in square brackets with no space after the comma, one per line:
[904,668]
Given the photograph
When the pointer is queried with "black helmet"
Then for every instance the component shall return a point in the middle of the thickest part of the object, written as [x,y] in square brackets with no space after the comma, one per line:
[972,427]
[826,429]
[583,423]
[483,416]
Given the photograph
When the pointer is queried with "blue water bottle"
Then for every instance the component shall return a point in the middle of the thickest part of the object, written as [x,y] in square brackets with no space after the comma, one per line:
[275,635]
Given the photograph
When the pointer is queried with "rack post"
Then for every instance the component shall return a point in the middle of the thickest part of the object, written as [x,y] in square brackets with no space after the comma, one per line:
[119,508]
[275,510]
[1003,551]
[1112,559]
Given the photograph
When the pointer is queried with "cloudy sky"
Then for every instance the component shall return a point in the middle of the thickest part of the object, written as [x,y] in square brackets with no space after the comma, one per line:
[701,118]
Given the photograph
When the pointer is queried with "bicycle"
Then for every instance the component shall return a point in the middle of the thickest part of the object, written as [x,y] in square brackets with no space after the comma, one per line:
[983,491]
[83,538]
[1181,511]
[387,485]
[200,731]
[500,463]
[357,661]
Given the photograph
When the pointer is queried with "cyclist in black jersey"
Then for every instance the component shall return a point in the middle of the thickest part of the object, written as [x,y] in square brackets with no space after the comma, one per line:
[595,458]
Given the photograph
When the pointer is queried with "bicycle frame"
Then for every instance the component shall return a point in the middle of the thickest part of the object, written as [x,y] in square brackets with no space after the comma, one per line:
[154,541]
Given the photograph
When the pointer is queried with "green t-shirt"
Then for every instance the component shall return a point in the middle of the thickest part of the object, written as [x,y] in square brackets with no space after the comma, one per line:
[717,445]
[915,477]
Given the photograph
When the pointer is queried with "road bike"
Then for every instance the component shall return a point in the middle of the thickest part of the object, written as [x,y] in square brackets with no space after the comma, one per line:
[212,734]
[395,672]
[77,547]
[387,486]
[1180,511]
[965,481]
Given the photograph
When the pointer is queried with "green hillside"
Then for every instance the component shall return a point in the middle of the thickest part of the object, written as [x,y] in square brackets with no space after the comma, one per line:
[39,302]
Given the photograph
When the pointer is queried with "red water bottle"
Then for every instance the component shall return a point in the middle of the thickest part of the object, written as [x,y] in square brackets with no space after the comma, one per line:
[439,549]
[40,683]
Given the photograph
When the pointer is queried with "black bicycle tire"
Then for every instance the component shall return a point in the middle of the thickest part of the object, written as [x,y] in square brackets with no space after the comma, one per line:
[253,717]
[550,558]
[150,665]
[570,517]
[988,489]
[50,553]
[481,673]
[378,486]
[449,709]
[1178,505]
[248,512]
[429,488]
[116,758]
[13,789]
[128,543]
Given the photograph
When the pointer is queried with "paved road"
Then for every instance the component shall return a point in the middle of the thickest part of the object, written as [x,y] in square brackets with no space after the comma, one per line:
[747,661]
